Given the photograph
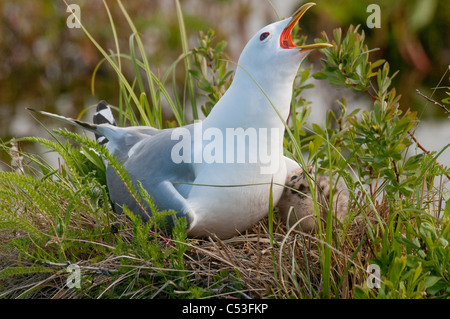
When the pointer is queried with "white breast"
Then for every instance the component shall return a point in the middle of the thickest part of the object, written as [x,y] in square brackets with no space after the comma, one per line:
[226,211]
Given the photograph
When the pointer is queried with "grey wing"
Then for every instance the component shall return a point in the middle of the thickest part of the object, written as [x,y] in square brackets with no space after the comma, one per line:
[149,161]
[122,139]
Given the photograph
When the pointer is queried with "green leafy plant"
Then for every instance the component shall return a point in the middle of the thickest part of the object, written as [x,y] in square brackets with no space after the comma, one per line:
[211,69]
[377,143]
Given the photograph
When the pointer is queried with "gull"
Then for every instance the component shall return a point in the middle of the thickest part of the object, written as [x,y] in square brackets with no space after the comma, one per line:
[218,173]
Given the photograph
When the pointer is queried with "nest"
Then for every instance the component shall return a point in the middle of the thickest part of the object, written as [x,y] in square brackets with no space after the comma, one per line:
[255,264]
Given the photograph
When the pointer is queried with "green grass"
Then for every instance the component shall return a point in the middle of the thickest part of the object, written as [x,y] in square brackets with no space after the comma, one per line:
[398,218]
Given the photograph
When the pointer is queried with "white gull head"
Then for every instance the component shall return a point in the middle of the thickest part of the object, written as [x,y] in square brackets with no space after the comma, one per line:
[265,74]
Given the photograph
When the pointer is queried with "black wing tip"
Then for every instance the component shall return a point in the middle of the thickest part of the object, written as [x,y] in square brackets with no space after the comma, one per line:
[85,125]
[99,116]
[102,105]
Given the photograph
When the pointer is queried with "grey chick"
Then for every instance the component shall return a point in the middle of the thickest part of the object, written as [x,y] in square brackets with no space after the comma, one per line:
[298,205]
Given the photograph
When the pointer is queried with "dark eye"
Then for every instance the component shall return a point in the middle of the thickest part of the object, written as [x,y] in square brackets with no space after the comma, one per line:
[264,36]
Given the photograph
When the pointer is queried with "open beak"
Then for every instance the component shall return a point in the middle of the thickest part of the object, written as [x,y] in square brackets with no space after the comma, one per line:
[286,36]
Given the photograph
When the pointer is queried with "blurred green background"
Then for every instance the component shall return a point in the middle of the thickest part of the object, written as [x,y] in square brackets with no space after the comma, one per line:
[46,65]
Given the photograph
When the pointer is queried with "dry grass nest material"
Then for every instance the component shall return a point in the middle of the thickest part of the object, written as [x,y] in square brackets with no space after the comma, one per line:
[250,265]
